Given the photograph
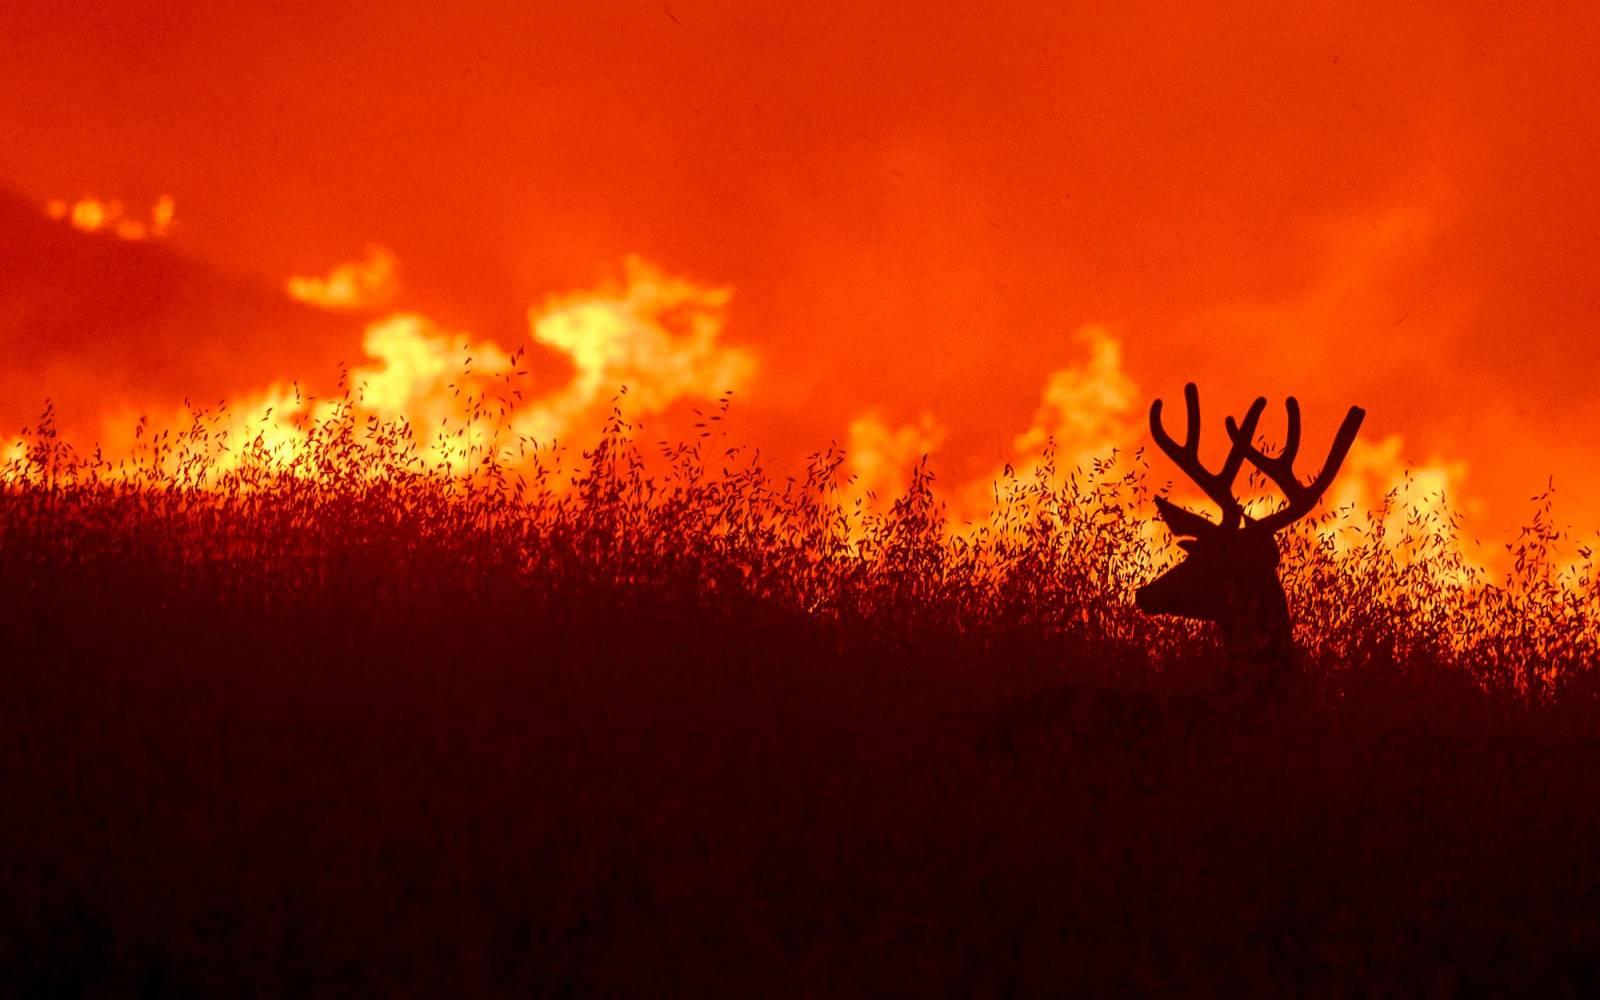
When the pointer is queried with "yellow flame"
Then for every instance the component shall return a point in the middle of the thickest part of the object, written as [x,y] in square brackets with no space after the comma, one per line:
[1086,410]
[880,457]
[655,336]
[1092,409]
[362,285]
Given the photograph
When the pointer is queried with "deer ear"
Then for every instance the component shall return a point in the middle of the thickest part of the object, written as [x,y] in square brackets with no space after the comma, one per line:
[1183,523]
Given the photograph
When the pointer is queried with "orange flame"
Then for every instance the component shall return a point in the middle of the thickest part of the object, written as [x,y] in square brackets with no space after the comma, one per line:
[91,215]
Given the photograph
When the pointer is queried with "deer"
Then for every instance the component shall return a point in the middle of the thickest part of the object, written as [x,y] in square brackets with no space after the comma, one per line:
[1229,574]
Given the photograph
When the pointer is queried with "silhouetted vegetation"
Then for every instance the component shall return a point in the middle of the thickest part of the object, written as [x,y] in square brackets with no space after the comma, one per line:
[333,720]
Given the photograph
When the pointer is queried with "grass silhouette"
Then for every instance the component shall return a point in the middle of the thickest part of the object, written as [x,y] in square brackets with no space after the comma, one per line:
[349,718]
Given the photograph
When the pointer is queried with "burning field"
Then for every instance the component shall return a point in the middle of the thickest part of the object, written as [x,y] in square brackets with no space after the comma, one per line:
[670,500]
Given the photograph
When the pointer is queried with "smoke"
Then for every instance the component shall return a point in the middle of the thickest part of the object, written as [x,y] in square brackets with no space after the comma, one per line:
[1352,205]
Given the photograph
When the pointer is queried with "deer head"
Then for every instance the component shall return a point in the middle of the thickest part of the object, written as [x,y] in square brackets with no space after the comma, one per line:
[1230,575]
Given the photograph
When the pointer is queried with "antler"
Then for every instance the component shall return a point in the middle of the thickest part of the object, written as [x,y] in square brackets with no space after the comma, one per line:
[1217,485]
[1280,468]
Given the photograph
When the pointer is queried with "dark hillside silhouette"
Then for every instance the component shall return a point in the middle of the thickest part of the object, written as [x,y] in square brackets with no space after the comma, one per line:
[348,726]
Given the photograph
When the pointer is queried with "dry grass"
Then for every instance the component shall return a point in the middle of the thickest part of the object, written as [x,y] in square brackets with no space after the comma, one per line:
[342,720]
[1060,554]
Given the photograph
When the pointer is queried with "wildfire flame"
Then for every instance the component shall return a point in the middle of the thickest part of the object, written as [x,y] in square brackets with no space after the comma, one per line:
[91,215]
[659,338]
[655,336]
[355,286]
[880,458]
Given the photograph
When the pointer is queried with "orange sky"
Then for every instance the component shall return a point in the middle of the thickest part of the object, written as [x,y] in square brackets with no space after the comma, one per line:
[916,204]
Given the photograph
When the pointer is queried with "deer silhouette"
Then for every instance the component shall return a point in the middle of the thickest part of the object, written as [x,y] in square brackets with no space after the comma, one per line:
[1230,575]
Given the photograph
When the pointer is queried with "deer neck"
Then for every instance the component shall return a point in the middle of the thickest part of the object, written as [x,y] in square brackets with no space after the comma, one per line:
[1257,627]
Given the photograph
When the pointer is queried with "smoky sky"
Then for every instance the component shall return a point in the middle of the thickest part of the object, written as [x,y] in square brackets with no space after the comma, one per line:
[916,204]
